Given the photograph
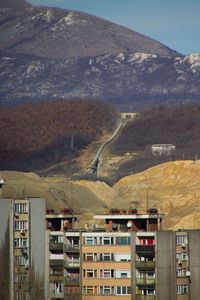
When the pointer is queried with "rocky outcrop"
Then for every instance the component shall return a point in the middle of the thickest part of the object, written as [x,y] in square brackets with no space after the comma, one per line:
[139,78]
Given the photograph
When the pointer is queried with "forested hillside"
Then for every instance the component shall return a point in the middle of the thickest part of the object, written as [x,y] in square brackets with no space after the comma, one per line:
[178,125]
[34,136]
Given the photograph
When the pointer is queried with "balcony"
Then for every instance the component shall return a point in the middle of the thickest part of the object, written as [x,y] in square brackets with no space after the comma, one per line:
[55,262]
[55,277]
[71,264]
[145,265]
[56,295]
[145,297]
[56,246]
[71,248]
[145,249]
[72,281]
[149,282]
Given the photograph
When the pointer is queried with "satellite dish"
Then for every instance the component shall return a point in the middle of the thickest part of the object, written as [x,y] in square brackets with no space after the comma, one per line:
[49,225]
[188,273]
[129,224]
[114,226]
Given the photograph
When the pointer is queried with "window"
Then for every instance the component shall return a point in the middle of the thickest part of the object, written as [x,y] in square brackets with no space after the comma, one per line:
[106,290]
[106,273]
[123,273]
[106,256]
[20,243]
[60,238]
[24,243]
[90,256]
[20,225]
[180,256]
[89,290]
[21,208]
[56,271]
[90,273]
[123,240]
[181,289]
[123,290]
[123,256]
[150,275]
[150,292]
[17,243]
[180,272]
[107,240]
[91,240]
[21,260]
[58,287]
[146,241]
[181,239]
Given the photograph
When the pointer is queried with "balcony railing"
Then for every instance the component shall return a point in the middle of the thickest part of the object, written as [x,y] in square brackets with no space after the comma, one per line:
[145,265]
[145,249]
[55,246]
[55,262]
[72,281]
[72,264]
[56,295]
[145,281]
[55,277]
[145,297]
[72,248]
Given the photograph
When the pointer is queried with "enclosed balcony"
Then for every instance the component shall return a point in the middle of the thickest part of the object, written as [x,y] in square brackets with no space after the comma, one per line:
[145,249]
[55,277]
[72,264]
[145,265]
[71,248]
[55,246]
[148,282]
[55,262]
[56,295]
[72,281]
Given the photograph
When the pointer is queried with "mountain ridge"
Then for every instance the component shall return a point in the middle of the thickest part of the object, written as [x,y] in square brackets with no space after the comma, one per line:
[49,53]
[60,33]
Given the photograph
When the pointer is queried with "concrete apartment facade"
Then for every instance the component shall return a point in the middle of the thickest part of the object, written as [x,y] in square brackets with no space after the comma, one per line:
[23,247]
[132,258]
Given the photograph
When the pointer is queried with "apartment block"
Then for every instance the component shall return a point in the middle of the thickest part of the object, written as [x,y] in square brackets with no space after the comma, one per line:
[46,255]
[23,249]
[131,258]
[63,252]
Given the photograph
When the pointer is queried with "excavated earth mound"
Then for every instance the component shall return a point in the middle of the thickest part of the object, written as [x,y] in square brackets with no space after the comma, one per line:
[173,188]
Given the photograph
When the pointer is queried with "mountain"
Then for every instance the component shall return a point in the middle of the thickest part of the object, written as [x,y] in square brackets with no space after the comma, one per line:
[48,53]
[59,34]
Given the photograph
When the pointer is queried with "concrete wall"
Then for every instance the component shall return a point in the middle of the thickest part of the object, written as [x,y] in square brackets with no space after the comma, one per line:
[6,256]
[166,267]
[38,238]
[133,270]
[194,264]
[4,217]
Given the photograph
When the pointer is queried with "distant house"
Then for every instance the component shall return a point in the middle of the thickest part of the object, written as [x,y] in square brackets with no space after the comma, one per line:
[163,149]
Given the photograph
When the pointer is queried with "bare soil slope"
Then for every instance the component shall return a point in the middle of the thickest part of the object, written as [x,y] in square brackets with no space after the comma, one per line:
[171,187]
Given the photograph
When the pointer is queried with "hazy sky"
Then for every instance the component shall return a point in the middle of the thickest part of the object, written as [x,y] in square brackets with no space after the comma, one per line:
[175,23]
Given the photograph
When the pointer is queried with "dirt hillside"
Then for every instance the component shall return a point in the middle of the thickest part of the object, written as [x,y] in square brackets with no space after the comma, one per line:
[172,187]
